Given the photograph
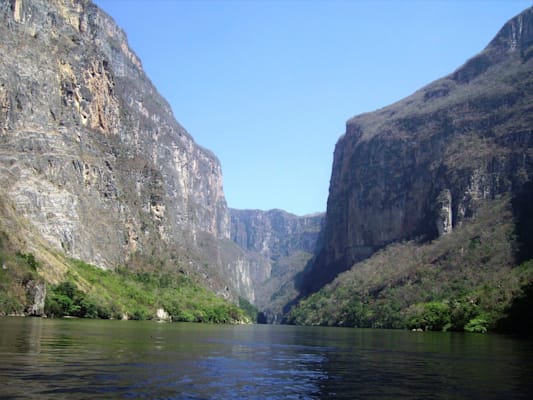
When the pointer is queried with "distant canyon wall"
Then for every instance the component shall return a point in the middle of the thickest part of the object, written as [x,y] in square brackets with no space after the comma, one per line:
[286,243]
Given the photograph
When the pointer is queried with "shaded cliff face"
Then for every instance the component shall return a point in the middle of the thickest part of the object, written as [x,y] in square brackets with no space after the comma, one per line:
[90,153]
[420,167]
[285,243]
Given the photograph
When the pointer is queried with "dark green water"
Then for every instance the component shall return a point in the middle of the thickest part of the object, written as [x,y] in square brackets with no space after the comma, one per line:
[86,359]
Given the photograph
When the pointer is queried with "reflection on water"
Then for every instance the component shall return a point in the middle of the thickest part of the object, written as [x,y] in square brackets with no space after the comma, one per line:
[79,359]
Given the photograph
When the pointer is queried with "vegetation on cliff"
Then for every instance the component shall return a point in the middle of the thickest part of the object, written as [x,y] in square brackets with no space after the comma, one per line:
[418,167]
[86,291]
[429,211]
[429,219]
[466,280]
[16,271]
[91,156]
[91,292]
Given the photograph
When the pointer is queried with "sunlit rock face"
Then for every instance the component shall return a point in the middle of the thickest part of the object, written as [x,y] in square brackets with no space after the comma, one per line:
[285,243]
[90,153]
[419,167]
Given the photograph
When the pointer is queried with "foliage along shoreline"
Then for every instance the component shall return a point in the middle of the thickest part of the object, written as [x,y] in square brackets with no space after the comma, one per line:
[466,281]
[86,291]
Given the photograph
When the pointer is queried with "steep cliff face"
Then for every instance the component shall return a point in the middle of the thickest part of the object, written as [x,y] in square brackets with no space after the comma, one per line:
[275,233]
[285,243]
[90,153]
[420,167]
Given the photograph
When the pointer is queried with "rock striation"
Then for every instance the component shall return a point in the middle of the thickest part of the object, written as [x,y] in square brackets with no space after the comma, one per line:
[420,167]
[285,243]
[92,156]
[275,233]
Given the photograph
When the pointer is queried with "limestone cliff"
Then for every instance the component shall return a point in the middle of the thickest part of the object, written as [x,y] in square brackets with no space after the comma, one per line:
[420,167]
[285,243]
[92,156]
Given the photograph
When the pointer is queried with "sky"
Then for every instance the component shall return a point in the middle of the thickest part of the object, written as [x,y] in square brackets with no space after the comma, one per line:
[269,85]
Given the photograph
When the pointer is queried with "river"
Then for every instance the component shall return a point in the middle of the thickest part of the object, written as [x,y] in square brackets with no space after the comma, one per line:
[94,359]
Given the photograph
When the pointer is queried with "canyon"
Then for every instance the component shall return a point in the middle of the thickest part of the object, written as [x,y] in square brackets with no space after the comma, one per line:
[95,167]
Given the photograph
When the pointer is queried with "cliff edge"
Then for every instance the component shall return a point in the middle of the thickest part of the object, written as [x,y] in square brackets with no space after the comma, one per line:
[419,168]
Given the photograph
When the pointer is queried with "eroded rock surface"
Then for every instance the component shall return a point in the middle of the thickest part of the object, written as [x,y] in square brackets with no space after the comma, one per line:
[419,167]
[284,243]
[92,156]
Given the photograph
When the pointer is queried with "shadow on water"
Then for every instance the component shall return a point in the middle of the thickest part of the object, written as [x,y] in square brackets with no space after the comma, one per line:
[79,359]
[401,364]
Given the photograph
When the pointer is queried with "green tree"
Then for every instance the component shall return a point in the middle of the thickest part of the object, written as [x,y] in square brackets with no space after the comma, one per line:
[433,316]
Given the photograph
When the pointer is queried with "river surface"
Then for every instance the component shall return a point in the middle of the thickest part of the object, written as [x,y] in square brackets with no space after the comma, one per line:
[91,359]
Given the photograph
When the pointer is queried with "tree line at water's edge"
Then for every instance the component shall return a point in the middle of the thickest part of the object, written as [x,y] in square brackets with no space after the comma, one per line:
[90,292]
[465,281]
[475,280]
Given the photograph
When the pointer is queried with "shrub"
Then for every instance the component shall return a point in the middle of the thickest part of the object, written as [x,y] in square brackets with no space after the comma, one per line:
[250,310]
[9,305]
[88,309]
[65,299]
[183,316]
[59,305]
[104,312]
[477,325]
[461,313]
[29,259]
[433,316]
[139,314]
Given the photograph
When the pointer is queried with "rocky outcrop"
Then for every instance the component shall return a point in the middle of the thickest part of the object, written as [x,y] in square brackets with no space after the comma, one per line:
[444,219]
[91,155]
[417,168]
[283,244]
[36,294]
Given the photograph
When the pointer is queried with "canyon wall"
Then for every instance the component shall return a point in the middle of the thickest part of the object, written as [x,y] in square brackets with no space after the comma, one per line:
[92,156]
[286,243]
[420,167]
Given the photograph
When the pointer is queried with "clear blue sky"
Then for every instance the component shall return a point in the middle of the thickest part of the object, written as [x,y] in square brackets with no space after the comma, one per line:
[268,85]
